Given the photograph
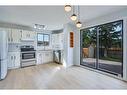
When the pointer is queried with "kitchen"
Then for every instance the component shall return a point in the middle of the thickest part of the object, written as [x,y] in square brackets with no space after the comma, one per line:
[30,46]
[41,47]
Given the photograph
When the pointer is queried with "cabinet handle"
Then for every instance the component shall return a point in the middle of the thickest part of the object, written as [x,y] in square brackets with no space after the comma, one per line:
[21,34]
[28,35]
[14,57]
[11,57]
[9,39]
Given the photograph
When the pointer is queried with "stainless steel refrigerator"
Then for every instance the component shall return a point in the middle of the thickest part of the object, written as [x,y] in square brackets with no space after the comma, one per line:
[3,54]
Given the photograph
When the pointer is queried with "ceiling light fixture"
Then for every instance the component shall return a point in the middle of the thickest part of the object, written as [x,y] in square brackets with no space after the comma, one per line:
[67,8]
[79,24]
[35,26]
[39,27]
[73,16]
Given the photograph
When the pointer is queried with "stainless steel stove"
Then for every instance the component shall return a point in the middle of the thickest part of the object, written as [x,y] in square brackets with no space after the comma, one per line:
[28,56]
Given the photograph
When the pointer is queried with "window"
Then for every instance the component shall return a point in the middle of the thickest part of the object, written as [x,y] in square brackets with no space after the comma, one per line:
[43,39]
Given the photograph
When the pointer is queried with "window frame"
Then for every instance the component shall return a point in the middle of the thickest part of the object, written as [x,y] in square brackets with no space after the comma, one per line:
[43,39]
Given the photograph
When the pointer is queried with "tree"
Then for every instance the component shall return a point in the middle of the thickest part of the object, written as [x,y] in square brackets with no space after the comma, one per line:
[109,36]
[89,37]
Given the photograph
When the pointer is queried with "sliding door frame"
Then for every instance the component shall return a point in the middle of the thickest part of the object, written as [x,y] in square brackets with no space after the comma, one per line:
[97,49]
[81,51]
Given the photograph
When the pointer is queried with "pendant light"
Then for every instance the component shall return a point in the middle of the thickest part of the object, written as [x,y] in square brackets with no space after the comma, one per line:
[73,16]
[67,8]
[78,24]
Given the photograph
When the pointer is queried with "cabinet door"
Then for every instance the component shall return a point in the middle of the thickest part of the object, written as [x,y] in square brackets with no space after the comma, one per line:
[32,35]
[28,35]
[39,58]
[13,60]
[8,30]
[24,35]
[16,36]
[46,57]
[43,57]
[16,59]
[53,41]
[50,57]
[10,60]
[56,41]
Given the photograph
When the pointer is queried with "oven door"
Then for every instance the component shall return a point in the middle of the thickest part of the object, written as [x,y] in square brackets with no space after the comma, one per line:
[28,55]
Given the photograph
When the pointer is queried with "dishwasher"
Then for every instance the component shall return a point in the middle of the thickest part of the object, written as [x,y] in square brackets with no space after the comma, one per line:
[57,56]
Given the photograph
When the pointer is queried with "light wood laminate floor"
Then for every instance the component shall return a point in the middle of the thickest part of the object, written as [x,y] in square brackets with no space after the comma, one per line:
[54,76]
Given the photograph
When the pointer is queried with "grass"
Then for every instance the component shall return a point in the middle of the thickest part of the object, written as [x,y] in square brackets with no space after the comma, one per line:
[111,59]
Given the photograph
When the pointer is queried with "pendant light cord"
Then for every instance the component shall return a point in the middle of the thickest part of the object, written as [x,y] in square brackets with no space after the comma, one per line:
[73,9]
[79,13]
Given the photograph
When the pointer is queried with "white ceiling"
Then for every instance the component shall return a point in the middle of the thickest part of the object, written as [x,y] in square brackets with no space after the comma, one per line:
[52,16]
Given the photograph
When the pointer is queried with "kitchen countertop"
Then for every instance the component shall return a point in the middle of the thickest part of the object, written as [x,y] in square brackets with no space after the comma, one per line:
[44,50]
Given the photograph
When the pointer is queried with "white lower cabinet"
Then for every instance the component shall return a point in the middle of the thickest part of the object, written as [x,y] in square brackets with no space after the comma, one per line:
[44,57]
[48,56]
[39,58]
[13,60]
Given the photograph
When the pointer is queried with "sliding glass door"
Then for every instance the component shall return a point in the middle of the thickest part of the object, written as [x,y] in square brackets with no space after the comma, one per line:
[102,47]
[89,44]
[110,47]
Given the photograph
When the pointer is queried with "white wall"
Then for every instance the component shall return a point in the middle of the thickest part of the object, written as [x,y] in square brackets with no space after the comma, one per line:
[101,20]
[68,52]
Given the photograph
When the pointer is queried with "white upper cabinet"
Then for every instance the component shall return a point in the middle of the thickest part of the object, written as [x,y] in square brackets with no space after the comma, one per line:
[57,41]
[28,35]
[14,35]
[9,34]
